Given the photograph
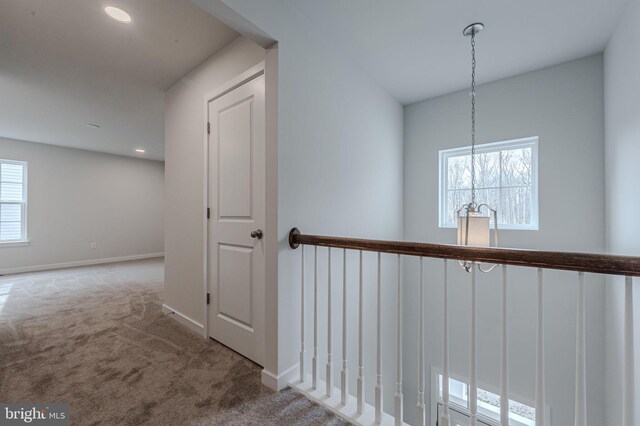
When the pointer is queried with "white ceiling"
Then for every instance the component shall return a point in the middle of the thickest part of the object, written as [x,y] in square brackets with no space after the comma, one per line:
[65,63]
[415,48]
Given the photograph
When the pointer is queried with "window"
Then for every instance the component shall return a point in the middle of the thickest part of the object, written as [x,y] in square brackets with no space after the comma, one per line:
[13,201]
[488,406]
[506,179]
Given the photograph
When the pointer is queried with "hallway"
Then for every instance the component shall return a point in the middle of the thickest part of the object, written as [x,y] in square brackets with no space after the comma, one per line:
[95,338]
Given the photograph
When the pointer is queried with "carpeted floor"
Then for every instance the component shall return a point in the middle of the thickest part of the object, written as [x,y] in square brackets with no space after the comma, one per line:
[95,338]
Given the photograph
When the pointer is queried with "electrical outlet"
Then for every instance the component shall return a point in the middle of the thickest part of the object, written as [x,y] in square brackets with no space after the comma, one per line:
[93,245]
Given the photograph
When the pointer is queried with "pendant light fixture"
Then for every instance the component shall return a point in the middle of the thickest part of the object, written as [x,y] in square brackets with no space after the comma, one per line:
[474,227]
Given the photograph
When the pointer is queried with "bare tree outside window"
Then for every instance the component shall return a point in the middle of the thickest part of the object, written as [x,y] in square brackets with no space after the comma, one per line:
[506,179]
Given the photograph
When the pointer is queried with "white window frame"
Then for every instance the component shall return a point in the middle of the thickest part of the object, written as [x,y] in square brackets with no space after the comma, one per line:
[443,188]
[24,236]
[484,416]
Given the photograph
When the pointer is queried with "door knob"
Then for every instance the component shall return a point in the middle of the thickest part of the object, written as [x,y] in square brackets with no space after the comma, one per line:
[257,234]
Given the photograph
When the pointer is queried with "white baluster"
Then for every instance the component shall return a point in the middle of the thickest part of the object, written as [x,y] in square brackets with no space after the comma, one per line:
[504,356]
[315,319]
[360,380]
[473,370]
[420,405]
[398,395]
[444,419]
[628,410]
[329,382]
[344,394]
[378,388]
[302,343]
[540,419]
[581,373]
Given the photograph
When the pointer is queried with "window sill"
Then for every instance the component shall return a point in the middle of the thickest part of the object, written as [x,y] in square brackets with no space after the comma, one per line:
[14,244]
[500,227]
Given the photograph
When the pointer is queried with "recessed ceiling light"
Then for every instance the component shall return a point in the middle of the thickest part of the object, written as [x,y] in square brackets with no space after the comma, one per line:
[140,151]
[93,126]
[118,14]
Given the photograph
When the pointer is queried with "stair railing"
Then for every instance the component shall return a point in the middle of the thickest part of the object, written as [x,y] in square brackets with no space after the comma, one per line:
[581,263]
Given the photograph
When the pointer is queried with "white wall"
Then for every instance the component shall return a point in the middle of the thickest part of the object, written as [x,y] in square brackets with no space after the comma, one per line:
[622,131]
[339,173]
[185,173]
[78,197]
[563,105]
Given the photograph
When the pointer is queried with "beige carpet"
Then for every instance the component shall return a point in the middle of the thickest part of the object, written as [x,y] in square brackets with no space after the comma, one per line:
[95,338]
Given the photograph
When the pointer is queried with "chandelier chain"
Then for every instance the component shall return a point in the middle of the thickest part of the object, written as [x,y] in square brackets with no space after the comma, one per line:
[473,118]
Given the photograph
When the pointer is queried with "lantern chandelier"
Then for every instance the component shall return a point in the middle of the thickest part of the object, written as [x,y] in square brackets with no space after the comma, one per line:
[474,228]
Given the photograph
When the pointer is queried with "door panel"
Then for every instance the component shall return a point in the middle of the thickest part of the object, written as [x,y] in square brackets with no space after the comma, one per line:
[235,284]
[234,160]
[237,202]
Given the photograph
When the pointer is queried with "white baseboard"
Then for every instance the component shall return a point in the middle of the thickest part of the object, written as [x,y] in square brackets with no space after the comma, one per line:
[52,266]
[183,319]
[281,381]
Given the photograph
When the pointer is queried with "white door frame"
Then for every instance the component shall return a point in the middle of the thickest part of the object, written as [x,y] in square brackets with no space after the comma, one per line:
[232,84]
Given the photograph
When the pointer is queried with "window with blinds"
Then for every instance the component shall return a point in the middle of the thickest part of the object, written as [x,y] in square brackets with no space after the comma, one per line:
[13,201]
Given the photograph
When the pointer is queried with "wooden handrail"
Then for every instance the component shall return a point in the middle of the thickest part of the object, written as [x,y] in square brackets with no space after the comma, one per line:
[581,262]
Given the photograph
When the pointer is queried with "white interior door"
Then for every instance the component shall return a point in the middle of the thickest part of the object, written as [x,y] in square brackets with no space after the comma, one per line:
[237,217]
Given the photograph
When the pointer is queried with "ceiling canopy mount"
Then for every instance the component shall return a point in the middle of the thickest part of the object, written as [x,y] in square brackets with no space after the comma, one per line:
[473,29]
